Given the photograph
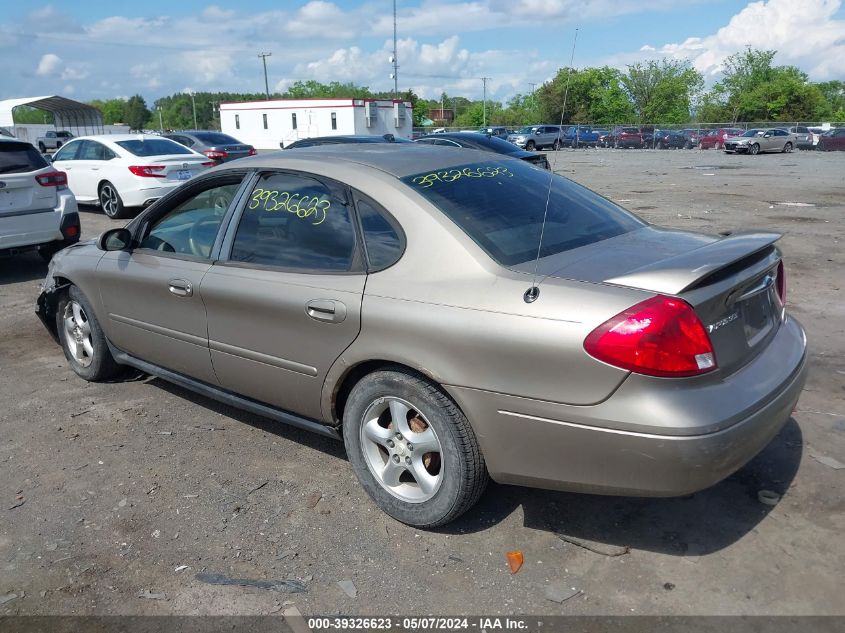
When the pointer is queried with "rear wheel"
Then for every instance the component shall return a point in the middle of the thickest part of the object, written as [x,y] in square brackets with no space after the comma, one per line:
[82,338]
[41,148]
[787,148]
[754,149]
[412,449]
[111,202]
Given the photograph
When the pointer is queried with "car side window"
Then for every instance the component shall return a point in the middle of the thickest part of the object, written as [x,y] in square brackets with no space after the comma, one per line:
[381,239]
[292,221]
[67,152]
[191,227]
[92,150]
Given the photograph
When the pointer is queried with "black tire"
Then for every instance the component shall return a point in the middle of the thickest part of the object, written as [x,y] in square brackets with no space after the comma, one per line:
[754,149]
[556,145]
[787,149]
[530,145]
[110,201]
[42,148]
[461,465]
[99,364]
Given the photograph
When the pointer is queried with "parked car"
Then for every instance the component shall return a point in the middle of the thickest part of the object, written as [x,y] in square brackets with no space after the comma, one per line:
[497,131]
[625,137]
[217,146]
[666,139]
[803,137]
[37,210]
[345,140]
[533,137]
[692,137]
[580,136]
[605,138]
[120,171]
[386,297]
[756,141]
[473,140]
[53,139]
[833,140]
[815,135]
[716,138]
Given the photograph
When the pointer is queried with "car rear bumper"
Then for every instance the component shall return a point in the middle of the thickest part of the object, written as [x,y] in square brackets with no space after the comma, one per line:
[24,231]
[705,432]
[148,193]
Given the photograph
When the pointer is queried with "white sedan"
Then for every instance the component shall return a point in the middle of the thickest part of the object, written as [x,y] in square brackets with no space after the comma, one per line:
[119,171]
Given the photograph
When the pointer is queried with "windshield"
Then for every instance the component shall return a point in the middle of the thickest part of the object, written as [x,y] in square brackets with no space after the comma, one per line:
[527,130]
[752,132]
[216,138]
[153,147]
[500,205]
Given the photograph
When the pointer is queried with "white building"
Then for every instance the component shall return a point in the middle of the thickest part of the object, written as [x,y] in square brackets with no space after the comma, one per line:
[266,124]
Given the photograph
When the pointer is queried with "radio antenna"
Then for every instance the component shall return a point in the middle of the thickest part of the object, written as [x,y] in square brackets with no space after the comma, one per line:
[533,292]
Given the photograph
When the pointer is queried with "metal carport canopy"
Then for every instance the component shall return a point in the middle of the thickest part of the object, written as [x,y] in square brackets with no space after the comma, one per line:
[74,116]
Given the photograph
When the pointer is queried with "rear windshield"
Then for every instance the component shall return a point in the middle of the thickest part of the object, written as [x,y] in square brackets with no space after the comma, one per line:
[153,147]
[17,158]
[500,205]
[216,138]
[494,143]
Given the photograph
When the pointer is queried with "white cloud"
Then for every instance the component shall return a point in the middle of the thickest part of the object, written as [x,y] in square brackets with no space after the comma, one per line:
[805,34]
[51,65]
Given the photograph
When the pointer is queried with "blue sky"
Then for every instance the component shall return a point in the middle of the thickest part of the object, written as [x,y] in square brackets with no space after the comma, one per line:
[86,50]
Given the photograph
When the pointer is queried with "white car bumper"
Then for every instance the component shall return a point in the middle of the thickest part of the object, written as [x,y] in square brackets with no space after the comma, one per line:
[29,229]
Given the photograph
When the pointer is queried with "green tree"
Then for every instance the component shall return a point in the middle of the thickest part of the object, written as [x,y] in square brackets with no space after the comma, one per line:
[136,113]
[595,95]
[25,114]
[662,91]
[113,110]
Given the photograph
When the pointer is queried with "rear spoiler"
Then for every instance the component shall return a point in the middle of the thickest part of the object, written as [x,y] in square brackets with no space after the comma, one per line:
[681,272]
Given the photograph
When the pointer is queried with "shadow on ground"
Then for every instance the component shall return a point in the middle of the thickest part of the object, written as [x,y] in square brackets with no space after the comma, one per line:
[27,266]
[694,525]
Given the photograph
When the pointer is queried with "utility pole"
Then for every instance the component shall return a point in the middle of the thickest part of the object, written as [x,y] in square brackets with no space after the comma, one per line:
[532,94]
[484,101]
[264,57]
[214,111]
[160,120]
[194,105]
[395,74]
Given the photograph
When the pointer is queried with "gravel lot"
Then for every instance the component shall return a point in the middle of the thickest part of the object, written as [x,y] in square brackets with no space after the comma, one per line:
[124,484]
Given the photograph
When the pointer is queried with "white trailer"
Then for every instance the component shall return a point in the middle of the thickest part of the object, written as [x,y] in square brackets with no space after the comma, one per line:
[280,122]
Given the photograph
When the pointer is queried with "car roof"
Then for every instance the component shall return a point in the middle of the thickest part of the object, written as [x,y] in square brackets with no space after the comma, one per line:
[114,138]
[397,159]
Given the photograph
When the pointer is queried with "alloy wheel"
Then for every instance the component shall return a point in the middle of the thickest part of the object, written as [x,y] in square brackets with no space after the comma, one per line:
[401,450]
[78,333]
[109,200]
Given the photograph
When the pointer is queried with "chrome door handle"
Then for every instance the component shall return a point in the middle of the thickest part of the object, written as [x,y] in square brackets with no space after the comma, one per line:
[181,287]
[326,310]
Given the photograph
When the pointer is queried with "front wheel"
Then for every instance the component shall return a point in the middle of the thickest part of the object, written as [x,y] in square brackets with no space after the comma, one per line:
[111,202]
[530,145]
[787,148]
[754,149]
[82,338]
[412,449]
[42,148]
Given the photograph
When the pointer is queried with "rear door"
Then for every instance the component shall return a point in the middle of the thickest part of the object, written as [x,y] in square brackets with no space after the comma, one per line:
[285,300]
[151,293]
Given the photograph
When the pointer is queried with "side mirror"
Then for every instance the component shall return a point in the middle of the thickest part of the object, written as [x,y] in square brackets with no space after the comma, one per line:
[766,135]
[537,132]
[115,240]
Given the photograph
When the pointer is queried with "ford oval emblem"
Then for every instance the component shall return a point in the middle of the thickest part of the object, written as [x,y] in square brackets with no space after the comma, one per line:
[2,184]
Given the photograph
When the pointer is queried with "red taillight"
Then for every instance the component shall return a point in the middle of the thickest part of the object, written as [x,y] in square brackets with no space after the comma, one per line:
[52,179]
[780,283]
[71,231]
[251,152]
[210,163]
[216,154]
[148,171]
[660,336]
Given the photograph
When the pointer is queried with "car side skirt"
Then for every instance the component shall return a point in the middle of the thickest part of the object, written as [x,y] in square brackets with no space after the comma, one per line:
[226,397]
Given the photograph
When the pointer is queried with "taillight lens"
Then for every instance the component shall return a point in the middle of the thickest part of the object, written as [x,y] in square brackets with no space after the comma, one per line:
[780,283]
[251,152]
[148,171]
[661,336]
[52,179]
[210,163]
[215,154]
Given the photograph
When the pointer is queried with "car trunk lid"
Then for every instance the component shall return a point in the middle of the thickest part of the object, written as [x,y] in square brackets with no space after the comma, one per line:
[730,281]
[180,166]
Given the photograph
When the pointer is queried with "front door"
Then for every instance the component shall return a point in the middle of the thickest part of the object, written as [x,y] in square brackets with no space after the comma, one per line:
[284,301]
[151,293]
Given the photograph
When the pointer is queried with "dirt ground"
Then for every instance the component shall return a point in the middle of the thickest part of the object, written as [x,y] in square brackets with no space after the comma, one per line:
[113,497]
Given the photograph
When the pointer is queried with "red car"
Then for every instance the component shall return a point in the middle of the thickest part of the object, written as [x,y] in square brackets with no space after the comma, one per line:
[716,138]
[833,140]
